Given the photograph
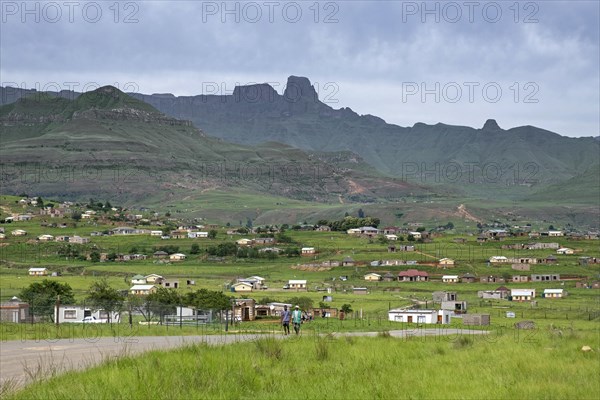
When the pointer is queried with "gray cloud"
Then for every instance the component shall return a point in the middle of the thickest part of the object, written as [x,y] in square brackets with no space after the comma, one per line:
[548,52]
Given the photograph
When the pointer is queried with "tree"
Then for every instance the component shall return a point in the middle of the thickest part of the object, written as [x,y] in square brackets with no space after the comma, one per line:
[204,299]
[305,303]
[361,213]
[104,297]
[67,250]
[166,296]
[551,228]
[266,300]
[139,305]
[40,202]
[212,234]
[283,238]
[42,296]
[223,249]
[95,256]
[292,251]
[164,301]
[76,216]
[346,308]
[195,249]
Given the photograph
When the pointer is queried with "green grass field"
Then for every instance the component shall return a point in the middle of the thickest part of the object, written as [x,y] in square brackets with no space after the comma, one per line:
[549,364]
[505,364]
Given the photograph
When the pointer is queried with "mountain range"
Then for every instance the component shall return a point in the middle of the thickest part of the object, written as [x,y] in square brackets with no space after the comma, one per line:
[431,154]
[203,142]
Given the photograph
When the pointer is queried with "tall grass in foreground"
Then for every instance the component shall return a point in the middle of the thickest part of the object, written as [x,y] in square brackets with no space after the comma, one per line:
[328,367]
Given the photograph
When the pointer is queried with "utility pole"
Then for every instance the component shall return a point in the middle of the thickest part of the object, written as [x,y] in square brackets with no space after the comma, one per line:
[57,309]
[130,316]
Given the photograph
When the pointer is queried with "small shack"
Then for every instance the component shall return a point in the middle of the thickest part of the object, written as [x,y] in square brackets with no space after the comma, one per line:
[244,309]
[476,319]
[14,310]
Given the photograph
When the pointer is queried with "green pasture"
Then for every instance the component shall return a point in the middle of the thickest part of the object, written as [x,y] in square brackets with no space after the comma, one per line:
[499,366]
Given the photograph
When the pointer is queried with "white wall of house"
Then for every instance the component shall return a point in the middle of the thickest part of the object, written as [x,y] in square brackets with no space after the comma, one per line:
[419,316]
[66,314]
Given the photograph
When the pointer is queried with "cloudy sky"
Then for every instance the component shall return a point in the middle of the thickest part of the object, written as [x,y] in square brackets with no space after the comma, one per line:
[525,63]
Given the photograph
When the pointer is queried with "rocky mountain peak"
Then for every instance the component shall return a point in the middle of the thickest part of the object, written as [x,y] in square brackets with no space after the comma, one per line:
[298,88]
[258,93]
[491,125]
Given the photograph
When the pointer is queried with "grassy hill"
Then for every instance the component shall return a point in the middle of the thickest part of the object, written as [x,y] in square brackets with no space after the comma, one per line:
[580,189]
[488,163]
[107,144]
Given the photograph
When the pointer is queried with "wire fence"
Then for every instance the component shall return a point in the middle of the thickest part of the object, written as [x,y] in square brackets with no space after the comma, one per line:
[179,315]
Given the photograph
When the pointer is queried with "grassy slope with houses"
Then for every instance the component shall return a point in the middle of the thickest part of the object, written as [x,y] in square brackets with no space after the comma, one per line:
[563,325]
[107,144]
[20,253]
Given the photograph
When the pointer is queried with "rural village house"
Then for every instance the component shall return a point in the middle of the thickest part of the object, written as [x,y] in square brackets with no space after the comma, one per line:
[66,313]
[38,271]
[522,294]
[297,284]
[413,275]
[308,251]
[372,277]
[419,316]
[142,290]
[554,293]
[450,278]
[14,310]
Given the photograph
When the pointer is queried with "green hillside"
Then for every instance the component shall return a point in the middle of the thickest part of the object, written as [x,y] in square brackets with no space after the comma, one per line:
[525,159]
[107,144]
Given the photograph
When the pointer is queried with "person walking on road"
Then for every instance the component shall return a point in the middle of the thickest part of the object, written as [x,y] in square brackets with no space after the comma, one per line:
[285,320]
[297,319]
